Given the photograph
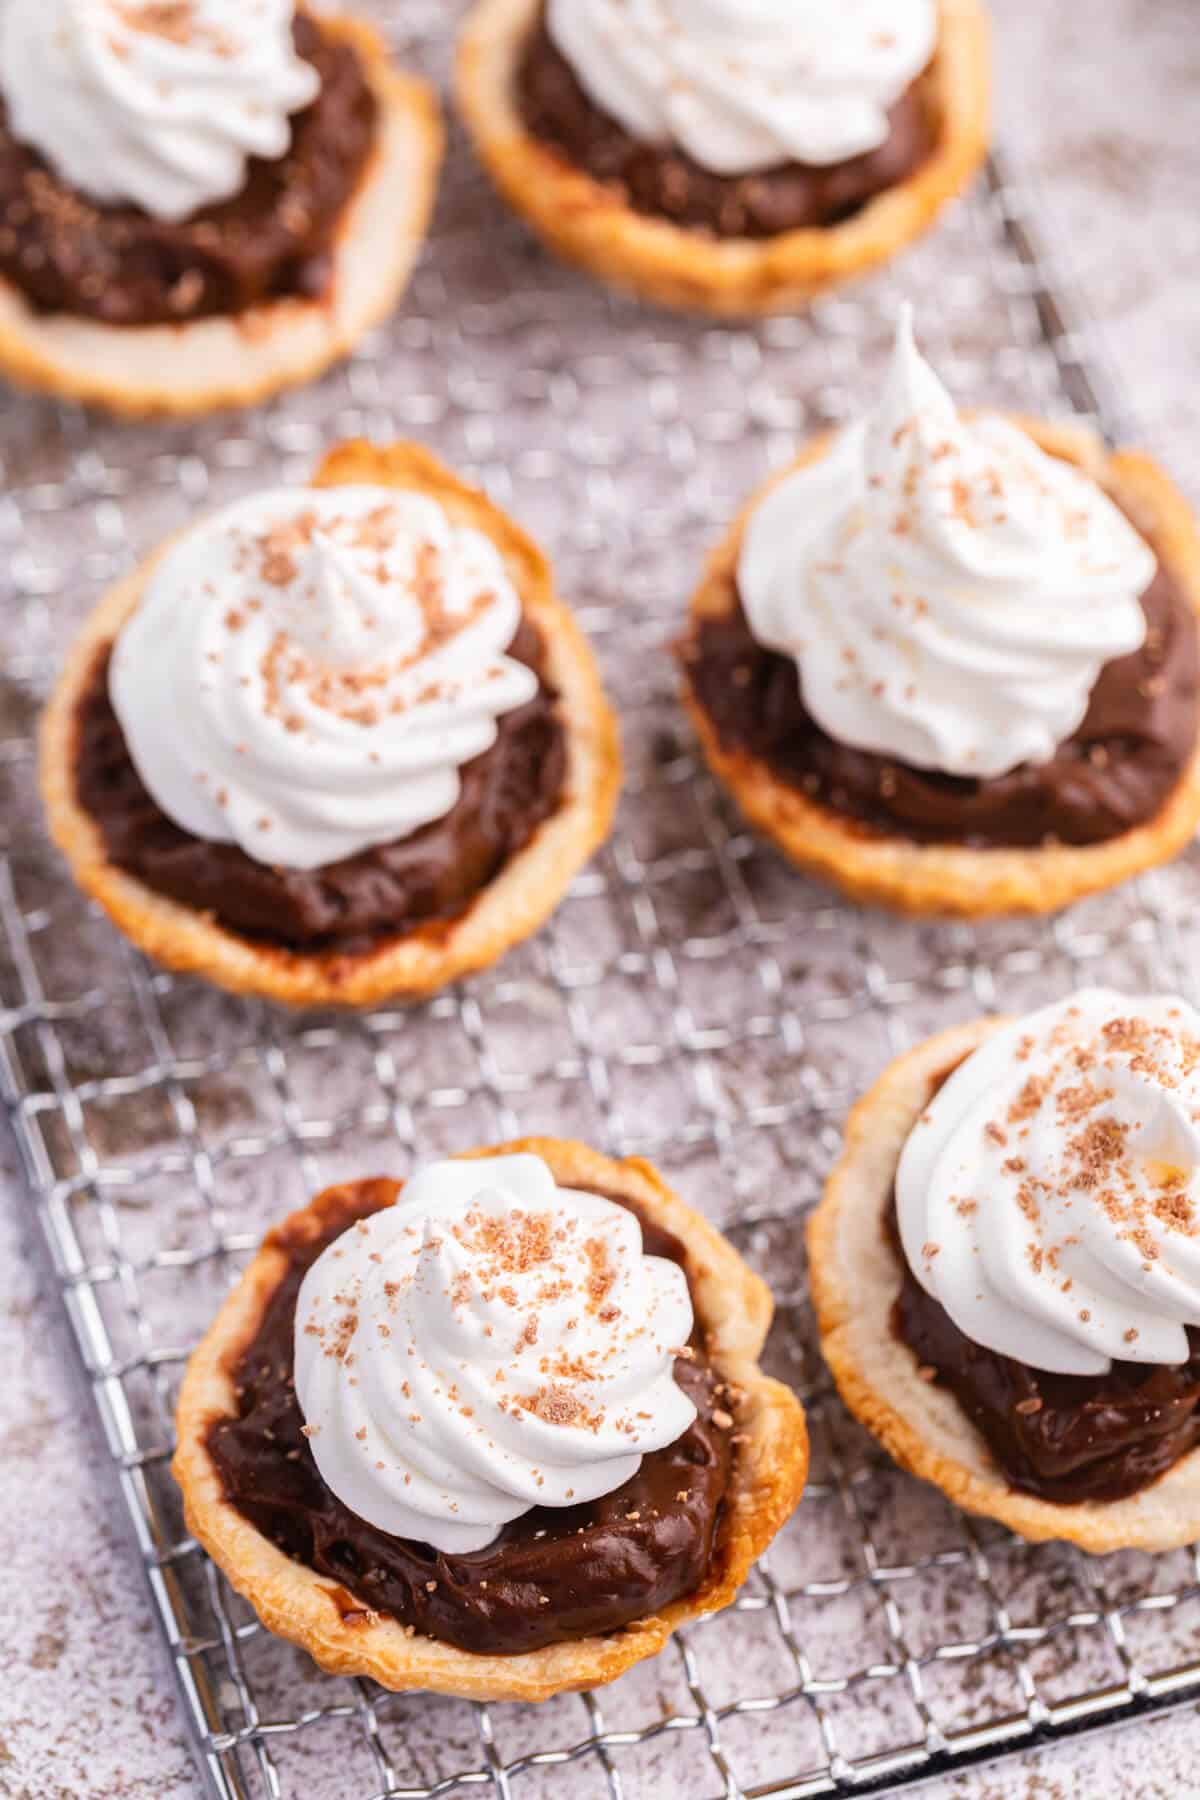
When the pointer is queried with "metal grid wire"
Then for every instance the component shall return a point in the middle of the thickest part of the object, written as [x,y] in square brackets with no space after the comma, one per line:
[694,1000]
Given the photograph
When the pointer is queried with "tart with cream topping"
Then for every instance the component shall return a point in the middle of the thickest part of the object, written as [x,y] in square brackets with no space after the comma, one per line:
[201,201]
[732,158]
[497,1432]
[334,744]
[1006,1269]
[950,662]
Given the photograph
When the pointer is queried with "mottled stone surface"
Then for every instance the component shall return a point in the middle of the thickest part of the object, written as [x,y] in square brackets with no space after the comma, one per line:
[1098,106]
[87,1706]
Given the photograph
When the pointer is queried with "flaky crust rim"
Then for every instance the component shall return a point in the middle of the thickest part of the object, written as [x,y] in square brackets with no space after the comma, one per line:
[955,880]
[516,904]
[734,1308]
[184,370]
[585,223]
[855,1275]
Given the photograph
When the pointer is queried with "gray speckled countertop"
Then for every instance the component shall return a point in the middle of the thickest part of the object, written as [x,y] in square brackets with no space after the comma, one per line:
[1097,108]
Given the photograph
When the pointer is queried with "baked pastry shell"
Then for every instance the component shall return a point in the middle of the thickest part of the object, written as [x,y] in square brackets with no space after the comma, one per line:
[587,224]
[855,1274]
[203,365]
[513,906]
[733,1307]
[959,880]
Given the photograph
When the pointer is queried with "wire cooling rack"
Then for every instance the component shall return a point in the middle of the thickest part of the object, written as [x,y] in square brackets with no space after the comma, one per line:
[694,1000]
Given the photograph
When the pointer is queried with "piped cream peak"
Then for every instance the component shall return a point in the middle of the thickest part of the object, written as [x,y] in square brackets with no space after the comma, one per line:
[948,590]
[309,670]
[489,1344]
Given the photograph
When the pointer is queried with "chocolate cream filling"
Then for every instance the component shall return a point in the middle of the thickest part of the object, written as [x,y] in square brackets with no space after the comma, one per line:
[1064,1438]
[1113,774]
[273,240]
[423,880]
[666,183]
[553,1576]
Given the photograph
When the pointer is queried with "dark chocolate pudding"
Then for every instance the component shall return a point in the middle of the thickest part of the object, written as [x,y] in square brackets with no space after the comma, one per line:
[1064,1438]
[553,1576]
[272,241]
[429,877]
[666,183]
[1114,774]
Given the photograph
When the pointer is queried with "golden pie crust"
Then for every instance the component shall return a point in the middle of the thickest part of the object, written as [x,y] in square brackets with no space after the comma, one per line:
[513,906]
[586,223]
[143,371]
[956,880]
[733,1308]
[856,1273]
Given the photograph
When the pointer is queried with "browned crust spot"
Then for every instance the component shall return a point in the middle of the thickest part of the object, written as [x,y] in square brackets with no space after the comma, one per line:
[586,224]
[734,1310]
[516,904]
[955,880]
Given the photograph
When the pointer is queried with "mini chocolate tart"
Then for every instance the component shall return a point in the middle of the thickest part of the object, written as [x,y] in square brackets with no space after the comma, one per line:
[112,308]
[1122,795]
[656,223]
[1105,1462]
[397,921]
[422,881]
[565,1598]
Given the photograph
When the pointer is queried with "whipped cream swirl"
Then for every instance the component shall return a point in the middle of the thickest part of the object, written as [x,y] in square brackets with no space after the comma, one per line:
[1049,1197]
[308,671]
[948,591]
[743,85]
[158,104]
[489,1344]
